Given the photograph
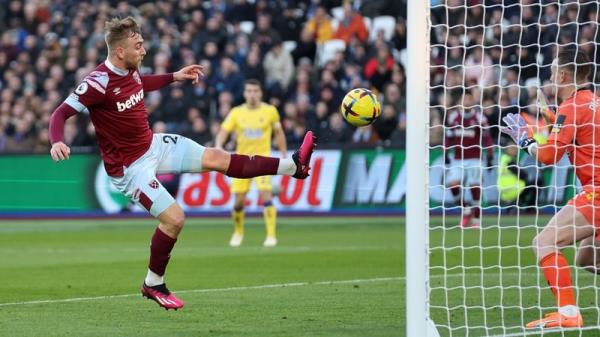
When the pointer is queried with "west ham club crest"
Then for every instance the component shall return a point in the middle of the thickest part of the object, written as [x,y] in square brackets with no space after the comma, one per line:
[153,184]
[136,77]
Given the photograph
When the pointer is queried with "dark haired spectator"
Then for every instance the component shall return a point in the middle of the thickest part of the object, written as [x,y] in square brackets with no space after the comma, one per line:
[229,79]
[264,34]
[253,67]
[387,122]
[318,121]
[241,10]
[399,38]
[340,132]
[22,138]
[198,131]
[305,47]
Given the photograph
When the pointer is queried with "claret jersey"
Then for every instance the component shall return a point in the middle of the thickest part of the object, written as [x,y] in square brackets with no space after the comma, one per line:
[114,99]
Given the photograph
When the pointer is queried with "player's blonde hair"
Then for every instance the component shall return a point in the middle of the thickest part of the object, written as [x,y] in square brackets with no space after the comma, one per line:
[117,30]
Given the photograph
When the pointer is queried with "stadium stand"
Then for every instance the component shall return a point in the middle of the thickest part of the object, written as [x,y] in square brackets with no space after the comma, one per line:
[47,47]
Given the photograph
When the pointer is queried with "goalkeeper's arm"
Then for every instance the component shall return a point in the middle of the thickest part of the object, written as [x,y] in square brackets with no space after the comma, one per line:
[548,153]
[560,139]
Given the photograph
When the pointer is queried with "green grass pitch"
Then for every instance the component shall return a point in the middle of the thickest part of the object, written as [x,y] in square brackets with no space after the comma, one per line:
[328,277]
[342,275]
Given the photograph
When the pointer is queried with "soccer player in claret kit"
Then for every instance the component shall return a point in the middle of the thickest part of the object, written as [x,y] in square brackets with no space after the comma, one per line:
[466,130]
[575,132]
[113,95]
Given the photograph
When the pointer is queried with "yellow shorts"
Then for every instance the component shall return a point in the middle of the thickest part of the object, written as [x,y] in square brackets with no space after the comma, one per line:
[263,183]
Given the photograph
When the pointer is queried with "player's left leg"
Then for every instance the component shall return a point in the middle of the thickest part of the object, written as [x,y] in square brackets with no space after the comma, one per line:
[163,241]
[243,166]
[566,227]
[269,211]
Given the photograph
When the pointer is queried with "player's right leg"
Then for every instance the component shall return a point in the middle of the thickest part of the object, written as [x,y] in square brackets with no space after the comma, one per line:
[567,226]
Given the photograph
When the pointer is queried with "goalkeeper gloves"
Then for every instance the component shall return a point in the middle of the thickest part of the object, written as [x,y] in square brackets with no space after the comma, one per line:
[517,129]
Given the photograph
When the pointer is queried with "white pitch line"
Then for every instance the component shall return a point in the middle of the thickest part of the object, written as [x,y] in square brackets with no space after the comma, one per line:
[264,286]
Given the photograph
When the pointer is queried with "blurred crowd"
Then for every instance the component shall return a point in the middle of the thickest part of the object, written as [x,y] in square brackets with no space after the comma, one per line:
[492,56]
[499,52]
[307,54]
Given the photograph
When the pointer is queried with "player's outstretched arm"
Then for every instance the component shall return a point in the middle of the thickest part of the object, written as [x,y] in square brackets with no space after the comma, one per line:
[191,73]
[60,150]
[158,81]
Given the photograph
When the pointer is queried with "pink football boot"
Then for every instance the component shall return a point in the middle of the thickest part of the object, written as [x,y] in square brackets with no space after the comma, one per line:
[161,295]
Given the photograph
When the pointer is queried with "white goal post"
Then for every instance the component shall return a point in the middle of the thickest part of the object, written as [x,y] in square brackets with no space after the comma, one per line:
[417,157]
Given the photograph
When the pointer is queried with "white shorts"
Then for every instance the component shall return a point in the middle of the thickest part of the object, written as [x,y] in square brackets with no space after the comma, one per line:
[467,172]
[168,153]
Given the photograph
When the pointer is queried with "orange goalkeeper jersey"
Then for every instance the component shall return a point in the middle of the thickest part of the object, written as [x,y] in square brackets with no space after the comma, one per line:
[577,131]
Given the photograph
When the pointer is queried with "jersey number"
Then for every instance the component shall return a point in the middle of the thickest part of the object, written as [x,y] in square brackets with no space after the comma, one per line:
[170,139]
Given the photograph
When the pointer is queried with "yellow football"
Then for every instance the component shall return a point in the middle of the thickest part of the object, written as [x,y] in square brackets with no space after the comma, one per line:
[360,107]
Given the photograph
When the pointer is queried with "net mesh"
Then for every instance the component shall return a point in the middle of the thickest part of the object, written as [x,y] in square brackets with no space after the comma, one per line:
[489,59]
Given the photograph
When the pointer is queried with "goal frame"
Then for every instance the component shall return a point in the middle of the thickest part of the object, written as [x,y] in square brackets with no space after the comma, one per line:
[417,159]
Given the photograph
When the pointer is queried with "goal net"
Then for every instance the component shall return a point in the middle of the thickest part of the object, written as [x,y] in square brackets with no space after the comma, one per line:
[487,199]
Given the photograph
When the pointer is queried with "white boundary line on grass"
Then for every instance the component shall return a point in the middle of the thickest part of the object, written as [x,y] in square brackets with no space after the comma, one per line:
[209,290]
[264,286]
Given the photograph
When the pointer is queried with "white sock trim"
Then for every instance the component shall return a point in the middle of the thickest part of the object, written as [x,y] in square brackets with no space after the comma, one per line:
[286,167]
[569,310]
[153,279]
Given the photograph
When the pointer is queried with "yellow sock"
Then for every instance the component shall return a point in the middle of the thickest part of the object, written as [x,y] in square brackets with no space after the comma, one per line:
[238,221]
[270,215]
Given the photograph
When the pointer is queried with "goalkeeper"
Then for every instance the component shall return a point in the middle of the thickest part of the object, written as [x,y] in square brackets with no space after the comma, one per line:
[576,131]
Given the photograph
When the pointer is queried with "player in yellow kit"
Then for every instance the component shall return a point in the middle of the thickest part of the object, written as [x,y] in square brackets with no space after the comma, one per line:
[254,123]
